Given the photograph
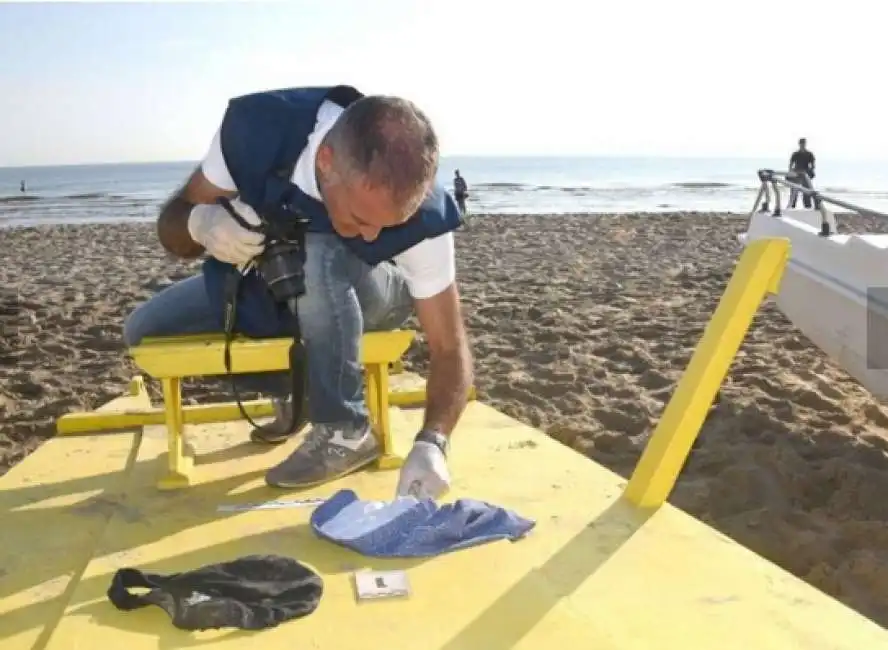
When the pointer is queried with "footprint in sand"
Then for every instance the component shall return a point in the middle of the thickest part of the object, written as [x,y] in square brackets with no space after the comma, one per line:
[654,380]
[876,415]
[622,422]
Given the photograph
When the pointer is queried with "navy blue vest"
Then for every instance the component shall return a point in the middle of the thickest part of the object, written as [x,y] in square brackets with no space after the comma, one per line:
[262,136]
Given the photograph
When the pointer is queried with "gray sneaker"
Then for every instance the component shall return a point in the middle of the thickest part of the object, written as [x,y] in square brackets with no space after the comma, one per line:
[327,453]
[279,430]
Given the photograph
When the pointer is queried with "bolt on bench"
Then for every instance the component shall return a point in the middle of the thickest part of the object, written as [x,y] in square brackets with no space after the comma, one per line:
[170,359]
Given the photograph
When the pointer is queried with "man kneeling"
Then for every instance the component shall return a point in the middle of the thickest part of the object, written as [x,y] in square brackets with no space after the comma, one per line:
[379,244]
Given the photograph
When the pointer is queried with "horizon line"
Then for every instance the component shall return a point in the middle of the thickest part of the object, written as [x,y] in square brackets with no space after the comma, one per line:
[455,155]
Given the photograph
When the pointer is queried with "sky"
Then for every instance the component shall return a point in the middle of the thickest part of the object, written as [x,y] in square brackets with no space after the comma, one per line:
[127,82]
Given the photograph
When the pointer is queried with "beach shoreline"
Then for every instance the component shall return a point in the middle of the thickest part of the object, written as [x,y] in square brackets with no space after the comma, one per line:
[580,325]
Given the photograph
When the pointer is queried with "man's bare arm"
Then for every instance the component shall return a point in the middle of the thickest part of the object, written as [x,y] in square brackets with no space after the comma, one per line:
[450,367]
[172,224]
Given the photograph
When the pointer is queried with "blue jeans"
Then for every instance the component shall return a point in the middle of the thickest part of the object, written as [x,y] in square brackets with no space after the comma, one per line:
[344,297]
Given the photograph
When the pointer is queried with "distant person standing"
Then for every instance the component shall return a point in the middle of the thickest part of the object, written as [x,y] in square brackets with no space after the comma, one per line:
[460,191]
[23,188]
[802,164]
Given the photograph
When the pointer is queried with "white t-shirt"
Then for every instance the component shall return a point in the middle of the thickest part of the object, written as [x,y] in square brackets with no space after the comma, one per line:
[429,267]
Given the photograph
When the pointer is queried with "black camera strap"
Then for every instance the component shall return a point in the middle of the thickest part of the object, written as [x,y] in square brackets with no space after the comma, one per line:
[298,366]
[243,223]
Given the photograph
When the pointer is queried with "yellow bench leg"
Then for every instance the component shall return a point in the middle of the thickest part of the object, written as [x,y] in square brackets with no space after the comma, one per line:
[180,457]
[377,377]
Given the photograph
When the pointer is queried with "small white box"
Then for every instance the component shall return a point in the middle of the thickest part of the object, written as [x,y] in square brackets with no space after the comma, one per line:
[381,584]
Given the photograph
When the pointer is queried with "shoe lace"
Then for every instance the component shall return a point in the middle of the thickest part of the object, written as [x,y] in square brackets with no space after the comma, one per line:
[319,436]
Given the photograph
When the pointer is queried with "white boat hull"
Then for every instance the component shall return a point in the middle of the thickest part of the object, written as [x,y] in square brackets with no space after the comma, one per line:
[835,291]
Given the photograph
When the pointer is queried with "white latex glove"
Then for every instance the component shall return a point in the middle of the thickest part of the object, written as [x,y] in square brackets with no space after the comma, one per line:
[214,229]
[424,474]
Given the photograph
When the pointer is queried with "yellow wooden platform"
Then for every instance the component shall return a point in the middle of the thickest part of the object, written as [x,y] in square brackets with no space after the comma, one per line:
[596,572]
[608,566]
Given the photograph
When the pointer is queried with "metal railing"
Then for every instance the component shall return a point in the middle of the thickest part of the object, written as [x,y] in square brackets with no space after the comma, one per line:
[772,180]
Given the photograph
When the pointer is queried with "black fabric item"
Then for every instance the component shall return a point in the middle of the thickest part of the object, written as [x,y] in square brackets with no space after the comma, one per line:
[252,593]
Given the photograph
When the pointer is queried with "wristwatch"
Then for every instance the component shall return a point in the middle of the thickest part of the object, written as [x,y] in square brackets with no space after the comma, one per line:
[441,441]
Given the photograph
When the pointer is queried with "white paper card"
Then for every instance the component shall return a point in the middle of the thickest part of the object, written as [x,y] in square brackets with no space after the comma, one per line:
[381,584]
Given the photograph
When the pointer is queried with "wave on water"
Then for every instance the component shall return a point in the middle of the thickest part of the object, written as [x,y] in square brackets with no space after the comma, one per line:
[695,185]
[23,198]
[642,189]
[81,207]
[692,185]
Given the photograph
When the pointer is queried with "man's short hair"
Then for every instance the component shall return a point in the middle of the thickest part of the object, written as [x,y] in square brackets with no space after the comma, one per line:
[390,143]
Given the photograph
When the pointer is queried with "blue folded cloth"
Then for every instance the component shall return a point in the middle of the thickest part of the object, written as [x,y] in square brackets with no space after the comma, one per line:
[411,527]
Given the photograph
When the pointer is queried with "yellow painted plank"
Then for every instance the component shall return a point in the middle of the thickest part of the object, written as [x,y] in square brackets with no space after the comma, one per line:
[89,421]
[406,389]
[758,272]
[192,356]
[53,508]
[593,574]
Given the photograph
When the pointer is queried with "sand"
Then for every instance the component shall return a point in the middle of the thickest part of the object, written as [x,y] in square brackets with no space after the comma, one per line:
[580,326]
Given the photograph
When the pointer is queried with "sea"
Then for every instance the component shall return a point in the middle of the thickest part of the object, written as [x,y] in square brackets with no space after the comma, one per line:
[540,185]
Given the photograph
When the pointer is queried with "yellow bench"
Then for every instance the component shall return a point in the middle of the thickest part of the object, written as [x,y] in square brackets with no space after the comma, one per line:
[170,359]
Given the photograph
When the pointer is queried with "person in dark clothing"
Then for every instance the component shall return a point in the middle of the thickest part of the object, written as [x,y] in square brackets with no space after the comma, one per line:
[460,191]
[802,163]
